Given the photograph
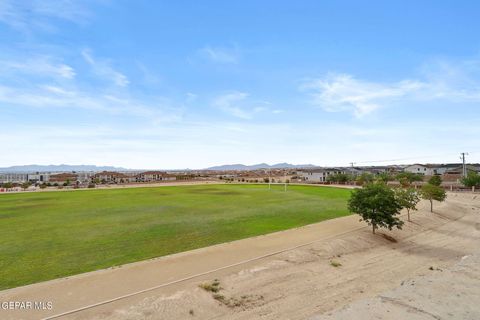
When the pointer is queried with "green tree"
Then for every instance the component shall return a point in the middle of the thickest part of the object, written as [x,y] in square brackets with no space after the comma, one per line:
[377,205]
[471,180]
[431,192]
[339,178]
[408,199]
[384,177]
[8,185]
[407,178]
[435,180]
[43,185]
[25,185]
[364,178]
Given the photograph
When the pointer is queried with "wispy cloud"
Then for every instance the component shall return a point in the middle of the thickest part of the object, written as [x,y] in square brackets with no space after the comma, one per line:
[104,69]
[157,110]
[229,103]
[42,66]
[221,54]
[190,97]
[342,92]
[439,80]
[30,16]
[239,105]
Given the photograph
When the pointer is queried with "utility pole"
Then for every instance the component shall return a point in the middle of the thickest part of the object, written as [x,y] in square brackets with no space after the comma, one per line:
[464,171]
[285,180]
[352,172]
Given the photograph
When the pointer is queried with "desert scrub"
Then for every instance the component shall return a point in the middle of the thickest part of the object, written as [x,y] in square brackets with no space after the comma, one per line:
[214,286]
[335,263]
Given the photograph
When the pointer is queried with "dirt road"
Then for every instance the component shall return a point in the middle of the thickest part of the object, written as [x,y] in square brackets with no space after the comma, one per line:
[344,263]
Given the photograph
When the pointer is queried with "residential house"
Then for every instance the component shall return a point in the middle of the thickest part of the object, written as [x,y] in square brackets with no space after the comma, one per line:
[154,176]
[318,175]
[61,178]
[110,177]
[423,169]
[13,177]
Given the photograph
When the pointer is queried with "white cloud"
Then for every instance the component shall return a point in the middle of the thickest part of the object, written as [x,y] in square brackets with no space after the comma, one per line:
[49,96]
[70,10]
[191,97]
[239,105]
[103,69]
[228,103]
[440,81]
[31,16]
[342,92]
[43,66]
[220,54]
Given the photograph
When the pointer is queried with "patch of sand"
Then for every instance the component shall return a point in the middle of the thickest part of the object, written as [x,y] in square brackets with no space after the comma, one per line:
[296,284]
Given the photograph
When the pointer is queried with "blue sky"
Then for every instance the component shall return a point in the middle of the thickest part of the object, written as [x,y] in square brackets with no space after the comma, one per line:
[177,84]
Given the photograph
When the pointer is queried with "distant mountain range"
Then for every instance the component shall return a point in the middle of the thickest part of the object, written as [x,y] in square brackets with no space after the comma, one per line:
[83,167]
[60,167]
[259,166]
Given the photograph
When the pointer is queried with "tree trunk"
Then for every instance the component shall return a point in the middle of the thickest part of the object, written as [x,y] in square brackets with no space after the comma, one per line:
[373,228]
[431,205]
[408,213]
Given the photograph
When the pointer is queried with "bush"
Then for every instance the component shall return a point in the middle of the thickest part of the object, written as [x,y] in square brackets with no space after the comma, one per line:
[407,178]
[8,185]
[471,180]
[364,178]
[435,180]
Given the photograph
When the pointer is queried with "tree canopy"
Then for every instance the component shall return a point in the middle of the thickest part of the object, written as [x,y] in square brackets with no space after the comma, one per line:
[471,180]
[377,205]
[432,192]
[339,178]
[408,199]
[407,178]
[26,185]
[365,178]
[384,177]
[8,185]
[435,180]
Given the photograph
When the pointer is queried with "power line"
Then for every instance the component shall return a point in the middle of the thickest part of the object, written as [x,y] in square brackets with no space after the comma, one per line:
[404,159]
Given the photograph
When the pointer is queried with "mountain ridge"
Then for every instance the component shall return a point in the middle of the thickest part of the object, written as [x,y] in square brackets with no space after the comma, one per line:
[59,168]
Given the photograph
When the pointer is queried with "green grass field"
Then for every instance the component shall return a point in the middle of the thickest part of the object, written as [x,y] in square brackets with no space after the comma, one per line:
[47,235]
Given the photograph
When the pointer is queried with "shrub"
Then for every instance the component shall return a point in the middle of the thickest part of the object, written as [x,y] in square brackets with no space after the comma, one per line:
[471,180]
[435,180]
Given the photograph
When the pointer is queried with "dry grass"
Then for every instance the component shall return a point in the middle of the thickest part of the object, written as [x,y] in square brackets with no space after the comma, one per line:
[214,286]
[335,263]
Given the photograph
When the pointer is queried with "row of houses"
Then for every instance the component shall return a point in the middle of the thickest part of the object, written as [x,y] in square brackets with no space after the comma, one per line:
[119,177]
[451,172]
[441,169]
[87,177]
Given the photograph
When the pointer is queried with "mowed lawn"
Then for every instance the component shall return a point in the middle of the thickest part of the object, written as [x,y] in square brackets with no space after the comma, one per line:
[47,235]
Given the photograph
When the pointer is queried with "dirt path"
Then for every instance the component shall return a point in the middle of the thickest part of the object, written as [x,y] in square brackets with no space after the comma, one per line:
[297,284]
